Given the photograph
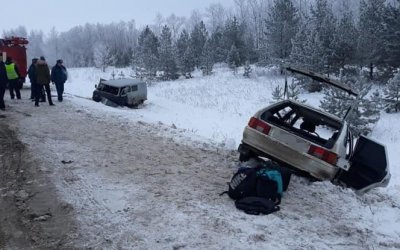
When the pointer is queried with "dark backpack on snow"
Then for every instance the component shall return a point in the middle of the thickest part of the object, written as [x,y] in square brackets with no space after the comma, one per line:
[243,183]
[255,182]
[256,205]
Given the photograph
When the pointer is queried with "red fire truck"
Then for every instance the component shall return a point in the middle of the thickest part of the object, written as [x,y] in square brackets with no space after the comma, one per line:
[15,47]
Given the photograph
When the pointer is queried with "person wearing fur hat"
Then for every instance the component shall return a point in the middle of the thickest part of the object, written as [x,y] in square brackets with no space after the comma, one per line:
[43,79]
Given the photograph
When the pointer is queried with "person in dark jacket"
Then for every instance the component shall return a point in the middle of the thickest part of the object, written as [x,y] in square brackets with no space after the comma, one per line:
[43,78]
[34,85]
[32,77]
[59,77]
[13,76]
[3,82]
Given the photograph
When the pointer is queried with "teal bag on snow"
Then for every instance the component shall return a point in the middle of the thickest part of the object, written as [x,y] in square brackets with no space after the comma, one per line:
[273,175]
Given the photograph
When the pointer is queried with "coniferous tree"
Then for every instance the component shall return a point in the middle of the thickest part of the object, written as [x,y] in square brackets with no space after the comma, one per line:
[277,94]
[247,69]
[181,47]
[233,36]
[188,62]
[363,114]
[370,50]
[392,94]
[166,55]
[219,48]
[344,44]
[308,53]
[281,27]
[207,59]
[391,35]
[233,59]
[198,38]
[146,56]
[323,22]
[293,91]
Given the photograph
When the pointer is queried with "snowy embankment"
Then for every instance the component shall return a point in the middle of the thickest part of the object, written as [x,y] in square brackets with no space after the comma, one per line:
[215,109]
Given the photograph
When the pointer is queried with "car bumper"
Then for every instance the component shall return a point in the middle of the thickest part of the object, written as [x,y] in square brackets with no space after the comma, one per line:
[269,147]
[98,95]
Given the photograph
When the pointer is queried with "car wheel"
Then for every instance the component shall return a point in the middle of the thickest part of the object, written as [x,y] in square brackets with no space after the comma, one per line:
[96,98]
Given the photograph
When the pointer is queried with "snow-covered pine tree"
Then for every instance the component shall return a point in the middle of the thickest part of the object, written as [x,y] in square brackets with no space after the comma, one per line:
[198,38]
[277,94]
[166,55]
[207,59]
[188,62]
[308,51]
[233,59]
[293,91]
[376,101]
[146,56]
[181,46]
[392,94]
[323,21]
[344,44]
[363,114]
[281,26]
[334,101]
[370,40]
[121,75]
[391,35]
[247,69]
[218,46]
[233,35]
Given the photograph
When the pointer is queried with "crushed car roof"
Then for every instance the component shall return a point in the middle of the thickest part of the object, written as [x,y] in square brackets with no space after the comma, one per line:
[121,82]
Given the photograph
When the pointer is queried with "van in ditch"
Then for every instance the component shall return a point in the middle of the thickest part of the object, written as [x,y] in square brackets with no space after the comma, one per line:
[122,92]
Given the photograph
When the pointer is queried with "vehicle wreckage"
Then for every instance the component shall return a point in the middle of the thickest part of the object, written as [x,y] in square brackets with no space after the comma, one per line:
[121,92]
[315,143]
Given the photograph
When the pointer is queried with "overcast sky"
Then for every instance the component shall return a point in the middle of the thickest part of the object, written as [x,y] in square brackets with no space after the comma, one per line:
[65,14]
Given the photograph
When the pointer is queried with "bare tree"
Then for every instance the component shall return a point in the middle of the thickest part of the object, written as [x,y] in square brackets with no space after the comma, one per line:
[175,24]
[216,17]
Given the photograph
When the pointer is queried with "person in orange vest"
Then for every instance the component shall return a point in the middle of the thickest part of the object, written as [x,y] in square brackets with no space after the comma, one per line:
[3,82]
[13,78]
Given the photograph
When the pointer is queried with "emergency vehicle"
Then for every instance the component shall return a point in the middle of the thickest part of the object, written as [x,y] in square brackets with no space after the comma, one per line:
[15,47]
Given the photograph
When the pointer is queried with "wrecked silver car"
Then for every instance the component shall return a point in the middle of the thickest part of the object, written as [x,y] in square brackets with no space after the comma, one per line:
[313,142]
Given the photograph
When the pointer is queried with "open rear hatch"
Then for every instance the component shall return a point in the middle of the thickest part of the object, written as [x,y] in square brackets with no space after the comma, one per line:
[369,166]
[322,78]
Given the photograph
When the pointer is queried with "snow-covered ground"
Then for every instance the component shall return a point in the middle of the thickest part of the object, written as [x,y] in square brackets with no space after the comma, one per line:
[215,107]
[214,110]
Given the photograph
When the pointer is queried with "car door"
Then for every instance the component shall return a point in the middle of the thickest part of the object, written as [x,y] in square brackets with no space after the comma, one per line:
[369,166]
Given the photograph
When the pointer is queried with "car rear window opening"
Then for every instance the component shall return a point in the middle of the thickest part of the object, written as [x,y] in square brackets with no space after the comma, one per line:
[307,123]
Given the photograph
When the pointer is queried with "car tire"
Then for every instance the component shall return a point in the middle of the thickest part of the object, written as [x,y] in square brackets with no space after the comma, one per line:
[96,98]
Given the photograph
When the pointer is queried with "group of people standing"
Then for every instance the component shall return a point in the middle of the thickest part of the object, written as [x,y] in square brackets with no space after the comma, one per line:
[40,77]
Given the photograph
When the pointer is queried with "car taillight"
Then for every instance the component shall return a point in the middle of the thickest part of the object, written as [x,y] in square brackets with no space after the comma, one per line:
[259,125]
[323,154]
